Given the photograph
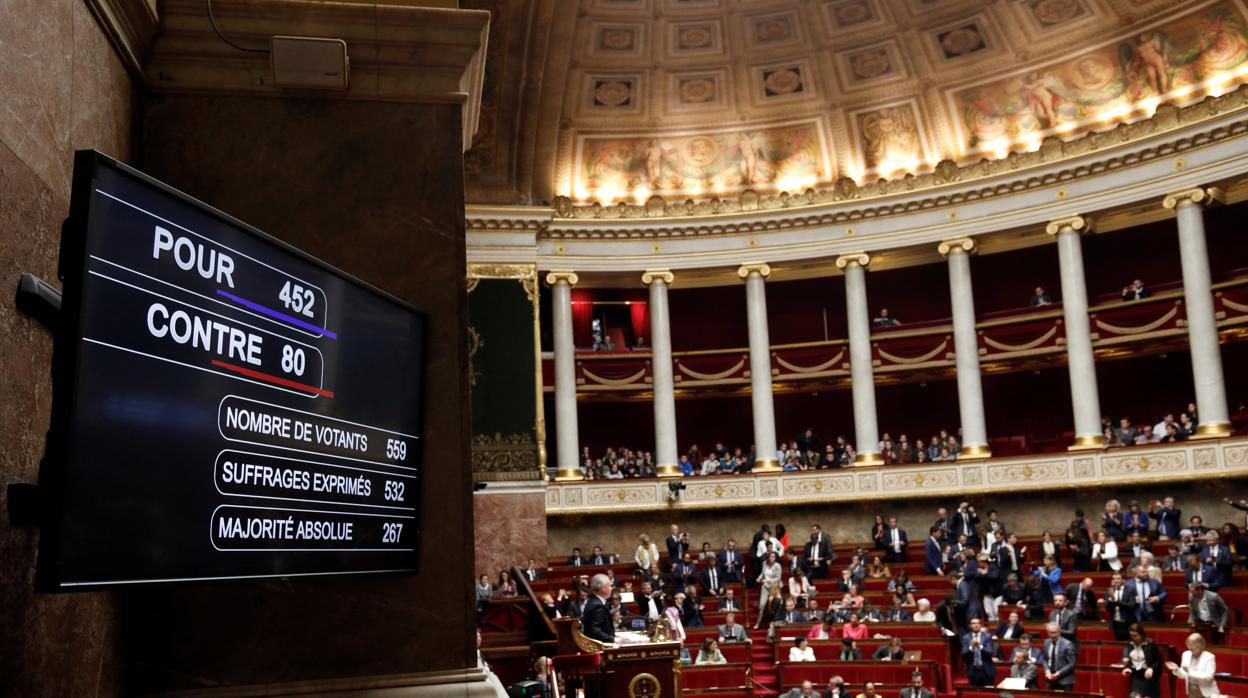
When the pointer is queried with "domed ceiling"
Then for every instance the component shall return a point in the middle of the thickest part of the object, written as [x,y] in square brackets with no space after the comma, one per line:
[619,100]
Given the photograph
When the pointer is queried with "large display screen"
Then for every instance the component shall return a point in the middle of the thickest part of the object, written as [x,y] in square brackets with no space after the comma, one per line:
[225,406]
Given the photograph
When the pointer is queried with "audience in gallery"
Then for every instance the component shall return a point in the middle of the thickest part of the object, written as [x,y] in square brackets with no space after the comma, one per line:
[810,452]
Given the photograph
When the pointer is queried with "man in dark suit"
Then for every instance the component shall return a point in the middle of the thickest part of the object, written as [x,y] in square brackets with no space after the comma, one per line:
[933,559]
[1218,557]
[1082,600]
[729,602]
[916,689]
[712,579]
[596,618]
[977,652]
[1199,572]
[895,539]
[1148,597]
[1119,607]
[1208,609]
[837,689]
[964,522]
[531,572]
[673,545]
[598,558]
[1064,617]
[576,559]
[818,553]
[649,602]
[684,571]
[1059,660]
[731,562]
[1168,517]
[944,527]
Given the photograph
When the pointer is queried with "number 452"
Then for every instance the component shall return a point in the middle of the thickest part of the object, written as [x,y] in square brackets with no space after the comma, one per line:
[297,298]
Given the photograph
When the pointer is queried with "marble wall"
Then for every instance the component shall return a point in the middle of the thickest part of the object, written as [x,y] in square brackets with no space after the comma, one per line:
[62,88]
[510,525]
[1027,513]
[368,188]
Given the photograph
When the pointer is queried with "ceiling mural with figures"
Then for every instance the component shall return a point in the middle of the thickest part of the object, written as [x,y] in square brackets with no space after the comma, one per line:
[623,100]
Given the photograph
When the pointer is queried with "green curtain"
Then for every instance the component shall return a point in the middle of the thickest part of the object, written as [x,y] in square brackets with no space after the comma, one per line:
[502,377]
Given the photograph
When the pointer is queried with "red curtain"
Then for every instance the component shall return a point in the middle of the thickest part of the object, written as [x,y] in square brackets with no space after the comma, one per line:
[583,324]
[641,320]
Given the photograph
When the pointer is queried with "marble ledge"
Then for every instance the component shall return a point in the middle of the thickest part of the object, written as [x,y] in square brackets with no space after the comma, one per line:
[1193,460]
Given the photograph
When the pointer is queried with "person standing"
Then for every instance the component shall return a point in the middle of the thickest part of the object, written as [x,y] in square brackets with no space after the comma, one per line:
[1142,663]
[1197,668]
[1059,660]
[1119,607]
[596,618]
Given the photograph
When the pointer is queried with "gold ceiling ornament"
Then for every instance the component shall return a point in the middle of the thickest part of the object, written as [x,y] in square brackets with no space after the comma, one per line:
[1052,149]
[761,268]
[501,271]
[861,259]
[1197,196]
[963,244]
[652,275]
[565,277]
[1071,224]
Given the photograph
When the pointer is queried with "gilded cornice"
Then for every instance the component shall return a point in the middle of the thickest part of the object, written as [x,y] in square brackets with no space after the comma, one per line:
[1193,460]
[501,271]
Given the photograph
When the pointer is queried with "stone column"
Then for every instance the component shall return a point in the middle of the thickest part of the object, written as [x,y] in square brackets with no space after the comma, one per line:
[861,371]
[1083,393]
[755,276]
[561,283]
[1202,326]
[966,348]
[665,448]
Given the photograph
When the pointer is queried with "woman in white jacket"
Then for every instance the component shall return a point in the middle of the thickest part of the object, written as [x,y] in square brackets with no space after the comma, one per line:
[1197,668]
[1106,552]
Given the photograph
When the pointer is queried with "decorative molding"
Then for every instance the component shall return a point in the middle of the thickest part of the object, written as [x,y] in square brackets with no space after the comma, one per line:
[861,259]
[652,275]
[130,26]
[1051,150]
[501,271]
[1072,224]
[398,52]
[1198,196]
[565,277]
[511,454]
[963,244]
[1198,460]
[760,268]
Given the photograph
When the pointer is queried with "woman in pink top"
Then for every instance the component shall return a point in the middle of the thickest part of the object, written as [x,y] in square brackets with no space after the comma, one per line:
[854,630]
[823,631]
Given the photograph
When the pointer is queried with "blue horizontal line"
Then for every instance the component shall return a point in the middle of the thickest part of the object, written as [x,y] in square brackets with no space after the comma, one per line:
[275,314]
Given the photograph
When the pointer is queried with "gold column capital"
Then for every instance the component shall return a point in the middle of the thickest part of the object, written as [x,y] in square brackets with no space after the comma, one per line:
[1072,224]
[568,277]
[650,276]
[862,259]
[964,244]
[760,268]
[1196,196]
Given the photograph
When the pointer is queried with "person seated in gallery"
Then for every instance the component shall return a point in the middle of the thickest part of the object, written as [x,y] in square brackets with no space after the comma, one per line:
[1040,298]
[1135,291]
[641,343]
[885,319]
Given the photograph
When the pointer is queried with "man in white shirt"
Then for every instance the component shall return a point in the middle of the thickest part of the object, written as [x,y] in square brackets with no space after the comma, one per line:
[1207,608]
[896,539]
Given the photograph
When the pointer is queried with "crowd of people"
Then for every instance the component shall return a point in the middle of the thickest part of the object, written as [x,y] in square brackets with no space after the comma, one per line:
[810,452]
[998,589]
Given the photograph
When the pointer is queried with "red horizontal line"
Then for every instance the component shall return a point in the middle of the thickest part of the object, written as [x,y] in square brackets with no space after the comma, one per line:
[273,379]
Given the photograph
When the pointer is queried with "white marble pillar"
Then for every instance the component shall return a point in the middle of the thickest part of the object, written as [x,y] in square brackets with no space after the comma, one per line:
[665,448]
[1202,325]
[861,370]
[1084,396]
[561,283]
[755,276]
[966,348]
